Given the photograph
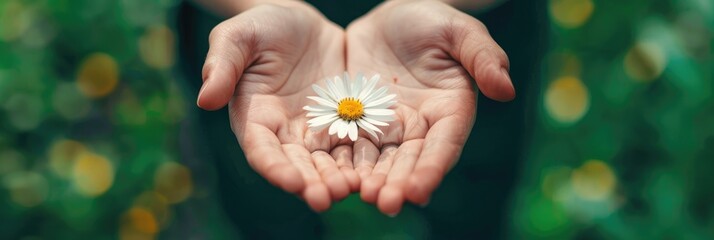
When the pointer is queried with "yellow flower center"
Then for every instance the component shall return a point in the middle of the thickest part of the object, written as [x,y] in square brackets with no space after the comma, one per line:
[350,109]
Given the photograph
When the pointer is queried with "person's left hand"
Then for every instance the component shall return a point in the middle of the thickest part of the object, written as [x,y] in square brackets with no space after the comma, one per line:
[429,53]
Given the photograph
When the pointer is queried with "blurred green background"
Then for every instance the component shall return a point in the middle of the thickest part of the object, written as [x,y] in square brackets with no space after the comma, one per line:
[611,136]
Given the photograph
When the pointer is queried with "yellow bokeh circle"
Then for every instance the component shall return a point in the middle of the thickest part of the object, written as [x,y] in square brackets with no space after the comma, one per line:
[645,61]
[138,223]
[92,174]
[63,154]
[157,204]
[156,47]
[594,181]
[98,75]
[15,19]
[143,220]
[571,13]
[27,189]
[567,99]
[173,181]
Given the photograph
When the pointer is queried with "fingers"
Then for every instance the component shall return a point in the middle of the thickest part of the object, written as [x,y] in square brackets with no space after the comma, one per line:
[265,154]
[365,156]
[343,158]
[442,147]
[316,193]
[374,182]
[482,57]
[331,176]
[392,195]
[229,54]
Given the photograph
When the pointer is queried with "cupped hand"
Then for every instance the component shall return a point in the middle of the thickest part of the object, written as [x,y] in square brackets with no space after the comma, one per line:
[263,63]
[429,55]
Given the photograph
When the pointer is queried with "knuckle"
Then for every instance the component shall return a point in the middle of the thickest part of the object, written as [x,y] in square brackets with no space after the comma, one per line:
[235,30]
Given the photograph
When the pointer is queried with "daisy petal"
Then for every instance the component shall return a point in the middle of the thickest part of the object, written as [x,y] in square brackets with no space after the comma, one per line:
[380,118]
[318,128]
[317,114]
[340,86]
[376,94]
[380,101]
[323,94]
[360,124]
[379,112]
[324,119]
[375,122]
[323,102]
[348,86]
[367,125]
[333,127]
[357,85]
[333,89]
[369,87]
[342,129]
[352,130]
[385,105]
[318,108]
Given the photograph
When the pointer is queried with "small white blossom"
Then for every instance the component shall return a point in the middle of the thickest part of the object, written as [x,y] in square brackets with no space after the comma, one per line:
[348,105]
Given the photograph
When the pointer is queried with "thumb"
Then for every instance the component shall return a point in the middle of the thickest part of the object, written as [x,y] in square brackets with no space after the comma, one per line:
[481,56]
[229,54]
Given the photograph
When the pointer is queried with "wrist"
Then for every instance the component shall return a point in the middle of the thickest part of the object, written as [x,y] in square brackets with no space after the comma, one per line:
[229,8]
[472,4]
[245,5]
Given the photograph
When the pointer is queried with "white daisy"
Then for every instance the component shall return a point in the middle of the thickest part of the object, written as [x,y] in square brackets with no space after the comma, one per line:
[348,105]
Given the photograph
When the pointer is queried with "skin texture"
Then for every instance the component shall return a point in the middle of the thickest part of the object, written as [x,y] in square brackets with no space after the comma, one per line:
[430,54]
[263,61]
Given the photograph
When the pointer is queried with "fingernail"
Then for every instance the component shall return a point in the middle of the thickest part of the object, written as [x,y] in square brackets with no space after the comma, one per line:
[392,215]
[505,72]
[200,92]
[510,82]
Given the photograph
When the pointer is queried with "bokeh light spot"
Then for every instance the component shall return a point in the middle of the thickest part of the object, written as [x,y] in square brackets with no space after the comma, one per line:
[27,189]
[567,99]
[571,13]
[545,217]
[129,109]
[63,154]
[554,180]
[173,181]
[645,61]
[26,109]
[10,161]
[98,75]
[594,181]
[563,63]
[156,47]
[157,204]
[143,220]
[69,103]
[92,174]
[14,20]
[138,223]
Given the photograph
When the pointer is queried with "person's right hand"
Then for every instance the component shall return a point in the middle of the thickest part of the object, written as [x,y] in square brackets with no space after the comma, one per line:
[263,62]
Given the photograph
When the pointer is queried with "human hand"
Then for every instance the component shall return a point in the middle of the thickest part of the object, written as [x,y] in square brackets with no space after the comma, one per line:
[430,53]
[264,62]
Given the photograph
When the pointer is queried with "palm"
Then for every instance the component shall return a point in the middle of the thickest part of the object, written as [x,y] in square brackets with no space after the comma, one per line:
[265,60]
[279,66]
[436,106]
